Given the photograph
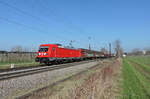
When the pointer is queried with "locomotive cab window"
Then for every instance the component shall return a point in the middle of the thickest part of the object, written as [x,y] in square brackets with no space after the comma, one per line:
[43,49]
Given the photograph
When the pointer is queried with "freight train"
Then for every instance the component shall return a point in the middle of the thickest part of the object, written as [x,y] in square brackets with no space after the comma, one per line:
[56,53]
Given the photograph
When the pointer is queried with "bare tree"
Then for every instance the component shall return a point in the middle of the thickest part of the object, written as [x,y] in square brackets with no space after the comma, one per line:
[17,49]
[137,51]
[118,49]
[26,49]
[103,50]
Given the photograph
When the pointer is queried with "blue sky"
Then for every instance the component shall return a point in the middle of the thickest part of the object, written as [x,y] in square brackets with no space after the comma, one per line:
[30,23]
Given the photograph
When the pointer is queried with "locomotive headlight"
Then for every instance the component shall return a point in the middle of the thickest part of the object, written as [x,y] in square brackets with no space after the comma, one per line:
[39,53]
[45,54]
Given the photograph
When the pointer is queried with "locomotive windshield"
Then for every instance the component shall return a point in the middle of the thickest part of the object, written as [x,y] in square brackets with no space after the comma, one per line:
[43,48]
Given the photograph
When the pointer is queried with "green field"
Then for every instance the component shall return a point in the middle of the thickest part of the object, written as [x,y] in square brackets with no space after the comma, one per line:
[141,59]
[136,77]
[6,65]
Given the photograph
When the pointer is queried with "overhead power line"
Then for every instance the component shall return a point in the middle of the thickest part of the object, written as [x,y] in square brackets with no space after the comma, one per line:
[35,17]
[25,13]
[20,24]
[44,5]
[30,27]
[21,11]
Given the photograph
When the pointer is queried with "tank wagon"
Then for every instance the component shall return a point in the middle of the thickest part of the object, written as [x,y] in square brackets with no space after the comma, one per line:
[56,53]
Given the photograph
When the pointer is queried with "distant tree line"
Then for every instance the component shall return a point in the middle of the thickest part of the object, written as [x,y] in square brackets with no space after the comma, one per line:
[17,54]
[138,51]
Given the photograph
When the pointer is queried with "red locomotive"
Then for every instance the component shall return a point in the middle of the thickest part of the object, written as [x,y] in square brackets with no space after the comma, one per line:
[55,53]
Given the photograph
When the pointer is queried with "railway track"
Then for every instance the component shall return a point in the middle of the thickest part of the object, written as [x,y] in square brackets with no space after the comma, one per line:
[24,72]
[51,85]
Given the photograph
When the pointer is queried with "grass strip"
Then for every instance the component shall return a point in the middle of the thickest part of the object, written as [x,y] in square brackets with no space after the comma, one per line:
[141,59]
[135,85]
[141,64]
[18,64]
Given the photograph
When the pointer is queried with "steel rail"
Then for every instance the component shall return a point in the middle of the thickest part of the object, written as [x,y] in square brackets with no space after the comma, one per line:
[19,73]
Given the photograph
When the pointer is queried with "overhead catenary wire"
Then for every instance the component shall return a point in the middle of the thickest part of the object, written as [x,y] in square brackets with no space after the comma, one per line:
[20,24]
[21,11]
[43,4]
[68,23]
[33,16]
[27,14]
[26,26]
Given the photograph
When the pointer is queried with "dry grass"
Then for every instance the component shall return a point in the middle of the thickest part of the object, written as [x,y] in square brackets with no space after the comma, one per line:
[98,83]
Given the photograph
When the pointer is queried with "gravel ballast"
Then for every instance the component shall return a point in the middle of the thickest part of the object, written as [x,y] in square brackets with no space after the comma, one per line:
[22,85]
